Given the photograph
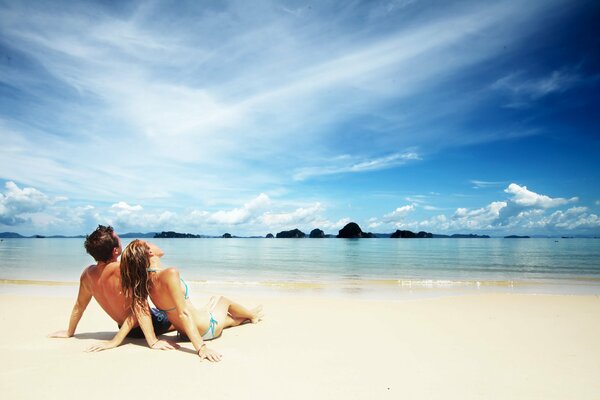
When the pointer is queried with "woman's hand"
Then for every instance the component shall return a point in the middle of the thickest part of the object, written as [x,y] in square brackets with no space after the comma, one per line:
[208,354]
[164,345]
[101,346]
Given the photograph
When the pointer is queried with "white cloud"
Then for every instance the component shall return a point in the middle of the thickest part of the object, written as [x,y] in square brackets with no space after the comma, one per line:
[484,184]
[240,215]
[373,223]
[395,217]
[573,218]
[390,161]
[326,224]
[438,223]
[399,213]
[480,218]
[526,198]
[129,217]
[302,215]
[416,199]
[525,89]
[17,205]
[524,210]
[123,207]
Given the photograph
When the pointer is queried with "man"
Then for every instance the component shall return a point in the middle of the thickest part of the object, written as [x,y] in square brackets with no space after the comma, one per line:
[102,281]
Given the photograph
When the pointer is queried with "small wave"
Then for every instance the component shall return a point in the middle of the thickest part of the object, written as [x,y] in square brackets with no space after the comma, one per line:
[275,284]
[36,282]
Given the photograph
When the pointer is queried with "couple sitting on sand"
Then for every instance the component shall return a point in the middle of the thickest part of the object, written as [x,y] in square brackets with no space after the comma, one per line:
[122,290]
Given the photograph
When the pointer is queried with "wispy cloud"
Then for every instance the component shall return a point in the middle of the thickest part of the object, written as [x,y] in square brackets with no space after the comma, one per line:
[485,184]
[523,90]
[200,97]
[347,166]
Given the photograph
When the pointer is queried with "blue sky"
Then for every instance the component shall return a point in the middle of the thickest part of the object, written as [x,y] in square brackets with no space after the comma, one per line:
[254,117]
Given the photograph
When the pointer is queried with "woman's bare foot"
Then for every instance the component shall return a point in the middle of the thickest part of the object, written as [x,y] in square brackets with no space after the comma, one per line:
[257,314]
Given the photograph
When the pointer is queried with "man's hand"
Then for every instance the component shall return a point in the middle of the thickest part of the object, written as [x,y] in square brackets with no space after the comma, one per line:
[101,346]
[60,334]
[164,345]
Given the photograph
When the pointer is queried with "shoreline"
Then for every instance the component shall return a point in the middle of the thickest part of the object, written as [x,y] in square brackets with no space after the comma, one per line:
[378,289]
[492,346]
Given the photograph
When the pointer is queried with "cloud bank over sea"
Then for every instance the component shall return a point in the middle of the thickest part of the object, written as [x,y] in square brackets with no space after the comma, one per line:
[523,211]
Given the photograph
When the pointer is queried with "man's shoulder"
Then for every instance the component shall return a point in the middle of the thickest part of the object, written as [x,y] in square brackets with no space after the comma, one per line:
[94,272]
[113,266]
[89,270]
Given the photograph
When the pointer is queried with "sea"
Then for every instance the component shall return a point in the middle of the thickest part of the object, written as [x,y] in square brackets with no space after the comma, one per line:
[371,268]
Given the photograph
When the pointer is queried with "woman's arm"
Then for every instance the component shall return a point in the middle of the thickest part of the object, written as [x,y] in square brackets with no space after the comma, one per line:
[172,281]
[145,322]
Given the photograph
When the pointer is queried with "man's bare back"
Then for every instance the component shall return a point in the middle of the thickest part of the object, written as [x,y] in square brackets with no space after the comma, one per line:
[103,281]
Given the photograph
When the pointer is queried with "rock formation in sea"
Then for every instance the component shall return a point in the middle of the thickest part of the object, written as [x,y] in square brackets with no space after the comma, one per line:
[269,236]
[353,231]
[294,233]
[317,233]
[11,235]
[410,235]
[226,236]
[516,237]
[176,235]
[461,236]
[469,236]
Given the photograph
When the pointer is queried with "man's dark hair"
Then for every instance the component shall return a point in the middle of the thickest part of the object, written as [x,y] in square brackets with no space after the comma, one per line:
[101,242]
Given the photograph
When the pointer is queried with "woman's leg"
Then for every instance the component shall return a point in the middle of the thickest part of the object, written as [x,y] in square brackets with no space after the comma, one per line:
[229,313]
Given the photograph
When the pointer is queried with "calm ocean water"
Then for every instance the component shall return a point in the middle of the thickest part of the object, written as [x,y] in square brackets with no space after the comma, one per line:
[375,265]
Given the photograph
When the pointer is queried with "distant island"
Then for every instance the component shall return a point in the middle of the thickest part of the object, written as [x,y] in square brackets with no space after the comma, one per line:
[462,236]
[293,234]
[317,234]
[175,235]
[353,231]
[411,235]
[14,235]
[350,231]
[136,235]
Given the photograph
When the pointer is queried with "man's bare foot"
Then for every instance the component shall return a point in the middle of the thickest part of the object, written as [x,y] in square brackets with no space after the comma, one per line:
[258,314]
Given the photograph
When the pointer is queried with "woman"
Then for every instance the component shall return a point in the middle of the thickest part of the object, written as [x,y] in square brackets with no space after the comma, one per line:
[142,275]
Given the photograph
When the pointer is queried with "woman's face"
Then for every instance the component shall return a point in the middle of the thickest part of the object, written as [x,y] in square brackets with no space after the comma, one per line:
[148,248]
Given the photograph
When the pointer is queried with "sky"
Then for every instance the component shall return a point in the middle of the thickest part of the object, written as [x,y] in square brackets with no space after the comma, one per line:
[252,117]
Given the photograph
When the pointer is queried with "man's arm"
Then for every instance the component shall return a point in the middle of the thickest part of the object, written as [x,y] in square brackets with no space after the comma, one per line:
[83,299]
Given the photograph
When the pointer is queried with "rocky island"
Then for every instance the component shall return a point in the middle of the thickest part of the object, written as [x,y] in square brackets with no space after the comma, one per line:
[175,235]
[293,234]
[353,231]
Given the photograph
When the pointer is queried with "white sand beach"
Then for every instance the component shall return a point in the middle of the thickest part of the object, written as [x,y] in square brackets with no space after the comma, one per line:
[487,346]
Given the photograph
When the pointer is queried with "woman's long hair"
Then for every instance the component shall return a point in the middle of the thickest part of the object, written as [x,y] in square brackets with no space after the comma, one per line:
[134,275]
